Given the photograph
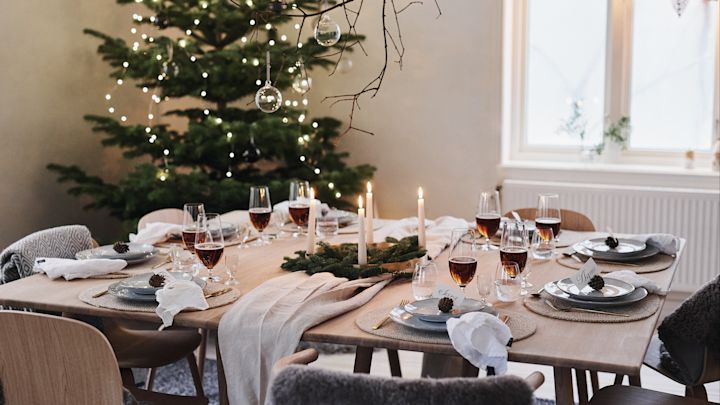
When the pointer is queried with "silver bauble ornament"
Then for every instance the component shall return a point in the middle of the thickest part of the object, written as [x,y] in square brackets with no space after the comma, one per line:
[268,99]
[327,31]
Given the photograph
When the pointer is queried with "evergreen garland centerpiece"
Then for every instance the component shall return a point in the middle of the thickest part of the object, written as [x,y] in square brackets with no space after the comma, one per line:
[393,257]
[199,63]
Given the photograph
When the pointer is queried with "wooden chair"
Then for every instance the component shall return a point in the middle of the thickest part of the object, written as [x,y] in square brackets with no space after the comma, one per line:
[311,385]
[169,215]
[571,220]
[624,394]
[52,360]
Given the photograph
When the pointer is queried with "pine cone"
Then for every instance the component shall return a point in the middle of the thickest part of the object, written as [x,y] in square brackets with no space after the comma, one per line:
[157,280]
[445,304]
[612,242]
[121,247]
[597,283]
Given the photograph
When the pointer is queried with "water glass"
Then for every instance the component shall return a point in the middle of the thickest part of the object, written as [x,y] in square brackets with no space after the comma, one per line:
[424,280]
[182,261]
[484,286]
[543,243]
[232,262]
[327,225]
[508,283]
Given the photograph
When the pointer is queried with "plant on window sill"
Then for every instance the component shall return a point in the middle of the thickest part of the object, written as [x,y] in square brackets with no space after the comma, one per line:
[616,133]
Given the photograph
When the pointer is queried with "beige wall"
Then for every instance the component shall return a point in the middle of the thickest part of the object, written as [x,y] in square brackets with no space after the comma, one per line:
[436,122]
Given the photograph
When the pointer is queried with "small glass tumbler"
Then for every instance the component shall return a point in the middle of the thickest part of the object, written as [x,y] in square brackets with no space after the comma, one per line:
[327,226]
[232,262]
[424,279]
[484,286]
[543,243]
[508,283]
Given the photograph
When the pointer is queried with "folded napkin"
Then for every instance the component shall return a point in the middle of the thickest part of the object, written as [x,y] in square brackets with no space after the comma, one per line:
[156,232]
[71,269]
[482,339]
[282,210]
[18,260]
[637,281]
[665,242]
[266,324]
[177,295]
[437,232]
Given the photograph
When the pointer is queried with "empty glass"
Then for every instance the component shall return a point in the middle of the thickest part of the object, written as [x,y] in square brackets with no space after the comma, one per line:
[232,262]
[543,243]
[487,217]
[508,283]
[327,225]
[484,286]
[424,280]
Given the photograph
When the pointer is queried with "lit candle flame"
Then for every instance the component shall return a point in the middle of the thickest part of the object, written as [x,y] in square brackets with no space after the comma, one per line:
[360,201]
[420,192]
[369,187]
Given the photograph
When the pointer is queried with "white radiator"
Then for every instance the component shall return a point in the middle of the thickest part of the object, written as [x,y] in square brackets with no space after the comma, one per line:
[688,213]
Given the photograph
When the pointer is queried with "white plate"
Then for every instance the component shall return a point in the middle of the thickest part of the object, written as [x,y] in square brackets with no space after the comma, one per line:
[649,251]
[625,246]
[427,310]
[404,318]
[136,251]
[635,296]
[612,290]
[140,285]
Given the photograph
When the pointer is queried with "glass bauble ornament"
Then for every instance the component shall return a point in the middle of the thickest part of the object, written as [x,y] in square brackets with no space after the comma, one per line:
[252,153]
[161,21]
[345,65]
[679,6]
[170,69]
[268,99]
[327,31]
[301,84]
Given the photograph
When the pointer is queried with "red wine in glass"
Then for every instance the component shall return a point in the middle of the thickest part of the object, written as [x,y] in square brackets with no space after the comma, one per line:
[209,253]
[300,213]
[488,224]
[260,217]
[545,222]
[462,269]
[189,236]
[514,254]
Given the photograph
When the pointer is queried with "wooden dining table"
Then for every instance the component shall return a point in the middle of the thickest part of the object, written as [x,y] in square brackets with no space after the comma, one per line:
[565,345]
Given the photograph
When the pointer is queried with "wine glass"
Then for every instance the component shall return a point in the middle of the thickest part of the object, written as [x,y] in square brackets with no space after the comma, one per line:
[209,242]
[487,218]
[514,247]
[548,213]
[462,259]
[191,211]
[484,282]
[424,279]
[299,204]
[260,211]
[508,286]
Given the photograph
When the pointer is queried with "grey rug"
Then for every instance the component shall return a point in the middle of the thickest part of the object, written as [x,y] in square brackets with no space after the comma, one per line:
[176,379]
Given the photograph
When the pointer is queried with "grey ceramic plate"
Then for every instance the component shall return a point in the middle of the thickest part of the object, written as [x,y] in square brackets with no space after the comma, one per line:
[137,251]
[402,317]
[139,284]
[635,296]
[612,290]
[649,251]
[427,310]
[625,246]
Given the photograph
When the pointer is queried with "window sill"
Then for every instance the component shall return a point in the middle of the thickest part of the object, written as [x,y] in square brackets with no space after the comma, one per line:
[615,174]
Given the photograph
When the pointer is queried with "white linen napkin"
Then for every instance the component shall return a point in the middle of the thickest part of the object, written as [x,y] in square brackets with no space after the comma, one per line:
[156,232]
[665,242]
[637,281]
[177,295]
[71,269]
[482,339]
[437,232]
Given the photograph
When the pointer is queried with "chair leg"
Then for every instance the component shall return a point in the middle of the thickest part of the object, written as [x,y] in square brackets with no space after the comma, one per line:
[696,391]
[202,349]
[619,379]
[128,380]
[581,383]
[150,381]
[394,360]
[594,381]
[634,380]
[196,376]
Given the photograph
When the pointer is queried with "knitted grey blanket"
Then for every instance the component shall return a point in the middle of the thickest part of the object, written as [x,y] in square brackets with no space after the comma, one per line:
[302,385]
[18,259]
[694,326]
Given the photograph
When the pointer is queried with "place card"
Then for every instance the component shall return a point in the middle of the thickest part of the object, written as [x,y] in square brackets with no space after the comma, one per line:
[443,290]
[585,274]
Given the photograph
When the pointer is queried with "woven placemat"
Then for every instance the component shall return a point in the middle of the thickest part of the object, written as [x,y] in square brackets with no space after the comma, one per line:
[112,302]
[637,311]
[650,265]
[520,325]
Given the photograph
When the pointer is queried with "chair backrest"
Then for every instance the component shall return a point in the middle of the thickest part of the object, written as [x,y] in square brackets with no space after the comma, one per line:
[571,220]
[300,385]
[50,360]
[169,215]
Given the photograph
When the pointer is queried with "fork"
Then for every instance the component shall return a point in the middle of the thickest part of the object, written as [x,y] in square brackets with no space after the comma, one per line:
[593,311]
[382,322]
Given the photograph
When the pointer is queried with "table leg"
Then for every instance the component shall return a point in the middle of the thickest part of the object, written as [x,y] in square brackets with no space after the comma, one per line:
[394,360]
[443,366]
[563,386]
[222,384]
[363,359]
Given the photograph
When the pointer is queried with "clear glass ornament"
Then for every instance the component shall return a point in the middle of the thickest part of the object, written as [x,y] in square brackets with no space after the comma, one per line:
[268,99]
[327,31]
[302,84]
[679,6]
[170,69]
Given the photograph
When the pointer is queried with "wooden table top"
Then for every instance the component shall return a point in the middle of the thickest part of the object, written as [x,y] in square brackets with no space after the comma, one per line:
[617,348]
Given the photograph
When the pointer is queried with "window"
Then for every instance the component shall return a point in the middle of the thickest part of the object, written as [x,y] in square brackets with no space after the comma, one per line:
[580,66]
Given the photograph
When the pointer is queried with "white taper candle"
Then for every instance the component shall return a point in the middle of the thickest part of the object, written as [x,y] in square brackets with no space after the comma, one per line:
[421,218]
[362,246]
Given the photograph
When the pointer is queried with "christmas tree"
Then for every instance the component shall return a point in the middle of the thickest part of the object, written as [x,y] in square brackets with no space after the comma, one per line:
[213,53]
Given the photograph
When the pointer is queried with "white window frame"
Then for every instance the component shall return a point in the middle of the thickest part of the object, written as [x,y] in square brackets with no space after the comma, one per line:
[617,89]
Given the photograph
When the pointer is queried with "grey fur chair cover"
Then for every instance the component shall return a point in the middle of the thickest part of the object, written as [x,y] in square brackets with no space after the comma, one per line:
[18,259]
[302,385]
[688,331]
